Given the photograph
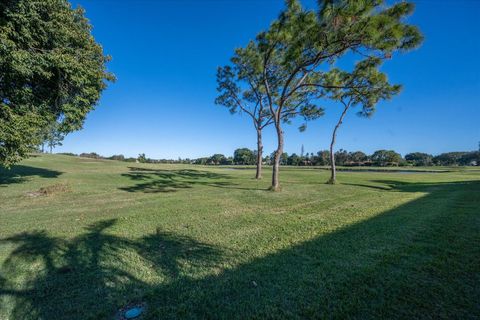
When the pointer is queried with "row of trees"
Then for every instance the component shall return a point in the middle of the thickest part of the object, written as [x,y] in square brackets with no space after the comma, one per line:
[245,156]
[383,158]
[445,159]
[289,70]
[342,157]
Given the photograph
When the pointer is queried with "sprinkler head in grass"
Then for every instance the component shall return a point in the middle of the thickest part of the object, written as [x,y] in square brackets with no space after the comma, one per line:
[134,312]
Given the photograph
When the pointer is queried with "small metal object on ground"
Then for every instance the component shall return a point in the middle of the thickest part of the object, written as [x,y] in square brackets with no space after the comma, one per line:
[133,312]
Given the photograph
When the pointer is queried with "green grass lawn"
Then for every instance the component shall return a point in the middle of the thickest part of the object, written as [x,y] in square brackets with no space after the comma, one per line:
[82,238]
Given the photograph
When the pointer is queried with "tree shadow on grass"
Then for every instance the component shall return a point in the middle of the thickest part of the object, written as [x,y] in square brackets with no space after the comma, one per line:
[153,181]
[90,276]
[402,186]
[21,173]
[418,260]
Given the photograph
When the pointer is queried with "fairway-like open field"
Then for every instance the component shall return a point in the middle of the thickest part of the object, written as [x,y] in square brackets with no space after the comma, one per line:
[83,238]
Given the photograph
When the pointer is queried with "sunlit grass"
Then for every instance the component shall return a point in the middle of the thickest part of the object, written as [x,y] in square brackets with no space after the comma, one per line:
[206,242]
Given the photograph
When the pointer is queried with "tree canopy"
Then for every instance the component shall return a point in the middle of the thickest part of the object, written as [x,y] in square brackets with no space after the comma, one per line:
[419,159]
[218,159]
[386,157]
[51,136]
[293,57]
[240,90]
[244,156]
[365,86]
[51,70]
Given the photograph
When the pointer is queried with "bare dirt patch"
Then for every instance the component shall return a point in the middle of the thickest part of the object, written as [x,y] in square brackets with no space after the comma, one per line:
[50,190]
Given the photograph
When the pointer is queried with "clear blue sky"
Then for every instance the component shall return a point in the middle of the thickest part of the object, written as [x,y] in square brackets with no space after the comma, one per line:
[165,54]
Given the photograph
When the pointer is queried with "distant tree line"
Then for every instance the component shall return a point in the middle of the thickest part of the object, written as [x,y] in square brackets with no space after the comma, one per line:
[382,158]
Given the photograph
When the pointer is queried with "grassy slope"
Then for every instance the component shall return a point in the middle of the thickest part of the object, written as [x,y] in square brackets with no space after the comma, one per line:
[202,242]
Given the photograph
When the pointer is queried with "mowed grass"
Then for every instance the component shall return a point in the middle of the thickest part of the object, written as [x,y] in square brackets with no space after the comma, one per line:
[212,243]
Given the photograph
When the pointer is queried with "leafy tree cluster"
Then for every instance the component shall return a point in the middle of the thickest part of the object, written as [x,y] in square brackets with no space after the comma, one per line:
[51,136]
[118,157]
[419,159]
[386,158]
[457,159]
[345,158]
[91,155]
[288,70]
[142,158]
[444,159]
[244,156]
[52,72]
[218,159]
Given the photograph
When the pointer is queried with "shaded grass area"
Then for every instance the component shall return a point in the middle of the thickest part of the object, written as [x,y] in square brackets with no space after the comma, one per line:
[155,180]
[381,246]
[23,173]
[75,282]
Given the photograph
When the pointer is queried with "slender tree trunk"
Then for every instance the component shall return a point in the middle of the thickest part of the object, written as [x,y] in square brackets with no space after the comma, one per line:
[259,154]
[51,148]
[278,154]
[333,176]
